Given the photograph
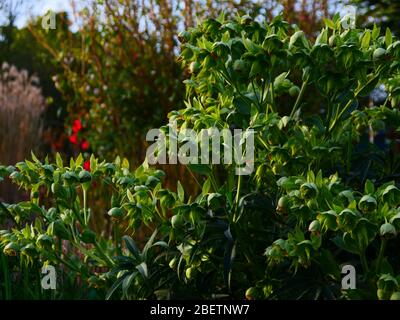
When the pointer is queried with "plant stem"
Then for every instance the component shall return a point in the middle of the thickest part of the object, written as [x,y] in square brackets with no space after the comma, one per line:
[117,239]
[299,97]
[85,217]
[66,263]
[105,256]
[381,254]
[7,283]
[239,184]
[348,104]
[364,263]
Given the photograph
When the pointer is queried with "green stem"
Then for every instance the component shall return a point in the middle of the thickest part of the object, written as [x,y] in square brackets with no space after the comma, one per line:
[381,254]
[7,283]
[66,263]
[105,256]
[340,115]
[85,216]
[299,97]
[117,239]
[239,184]
[364,263]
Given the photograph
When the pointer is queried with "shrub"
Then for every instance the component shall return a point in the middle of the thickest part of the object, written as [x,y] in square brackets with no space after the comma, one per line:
[324,191]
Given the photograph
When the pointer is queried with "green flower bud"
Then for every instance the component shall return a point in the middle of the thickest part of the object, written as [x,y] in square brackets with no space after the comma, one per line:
[70,177]
[348,219]
[11,249]
[388,231]
[294,91]
[152,181]
[391,195]
[177,221]
[167,201]
[328,220]
[194,67]
[58,190]
[189,273]
[332,40]
[48,169]
[11,169]
[283,205]
[60,230]
[239,66]
[44,241]
[367,204]
[383,294]
[88,236]
[172,263]
[253,293]
[159,174]
[395,296]
[110,168]
[115,213]
[52,214]
[378,53]
[308,191]
[85,176]
[30,250]
[315,226]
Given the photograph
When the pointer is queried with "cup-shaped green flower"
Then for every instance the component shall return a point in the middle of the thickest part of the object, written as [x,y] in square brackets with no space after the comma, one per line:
[367,204]
[388,231]
[308,190]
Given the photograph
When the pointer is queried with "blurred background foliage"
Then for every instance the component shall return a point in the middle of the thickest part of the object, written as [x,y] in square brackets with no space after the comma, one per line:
[116,74]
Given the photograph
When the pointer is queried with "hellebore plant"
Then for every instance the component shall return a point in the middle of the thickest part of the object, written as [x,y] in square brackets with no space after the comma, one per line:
[324,191]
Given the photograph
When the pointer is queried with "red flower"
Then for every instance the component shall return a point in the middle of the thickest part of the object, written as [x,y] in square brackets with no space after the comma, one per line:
[73,139]
[86,165]
[85,144]
[77,126]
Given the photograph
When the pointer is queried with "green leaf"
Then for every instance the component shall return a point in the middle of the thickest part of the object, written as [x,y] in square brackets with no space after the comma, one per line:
[366,89]
[127,283]
[200,168]
[322,37]
[149,243]
[181,192]
[79,160]
[125,164]
[130,196]
[131,245]
[34,158]
[206,186]
[143,270]
[369,187]
[114,287]
[329,23]
[242,106]
[256,68]
[294,38]
[388,37]
[375,32]
[366,39]
[226,37]
[59,161]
